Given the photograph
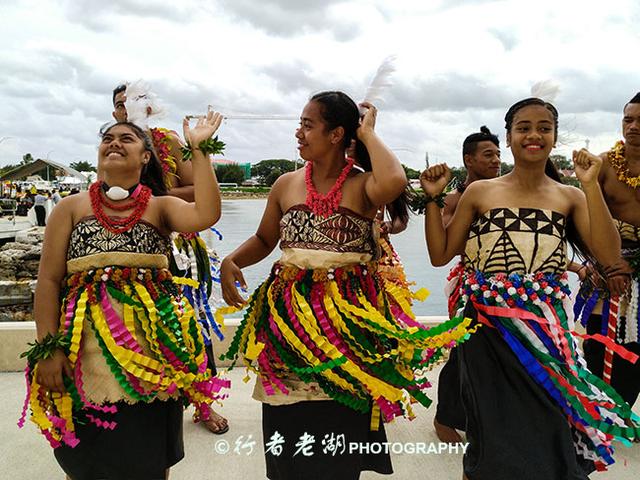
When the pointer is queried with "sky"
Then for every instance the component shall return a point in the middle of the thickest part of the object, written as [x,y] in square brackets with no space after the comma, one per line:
[460,64]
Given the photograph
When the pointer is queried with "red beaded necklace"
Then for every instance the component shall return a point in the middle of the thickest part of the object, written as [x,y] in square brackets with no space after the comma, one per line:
[118,224]
[325,205]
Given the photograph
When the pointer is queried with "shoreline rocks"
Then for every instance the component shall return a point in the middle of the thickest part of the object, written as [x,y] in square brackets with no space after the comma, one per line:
[19,263]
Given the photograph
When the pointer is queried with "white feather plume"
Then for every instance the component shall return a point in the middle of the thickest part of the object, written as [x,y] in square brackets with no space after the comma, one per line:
[546,90]
[380,81]
[139,99]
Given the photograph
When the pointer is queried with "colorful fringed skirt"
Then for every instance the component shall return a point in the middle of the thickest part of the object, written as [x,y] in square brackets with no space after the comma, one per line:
[533,408]
[344,337]
[618,319]
[199,266]
[344,330]
[138,357]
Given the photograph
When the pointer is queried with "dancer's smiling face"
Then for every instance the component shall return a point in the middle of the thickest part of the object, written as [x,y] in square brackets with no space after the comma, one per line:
[314,138]
[122,147]
[532,134]
[485,161]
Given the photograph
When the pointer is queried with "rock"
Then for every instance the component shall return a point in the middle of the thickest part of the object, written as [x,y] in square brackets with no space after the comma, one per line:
[20,313]
[15,293]
[31,236]
[16,246]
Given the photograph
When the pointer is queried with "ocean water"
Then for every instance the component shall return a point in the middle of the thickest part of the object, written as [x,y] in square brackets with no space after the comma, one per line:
[240,219]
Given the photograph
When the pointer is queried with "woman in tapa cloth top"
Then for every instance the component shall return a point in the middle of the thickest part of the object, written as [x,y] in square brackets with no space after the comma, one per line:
[126,352]
[334,344]
[533,409]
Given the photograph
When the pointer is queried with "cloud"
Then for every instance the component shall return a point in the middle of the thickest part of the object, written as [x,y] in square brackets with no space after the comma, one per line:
[508,38]
[596,90]
[288,18]
[100,16]
[298,76]
[448,92]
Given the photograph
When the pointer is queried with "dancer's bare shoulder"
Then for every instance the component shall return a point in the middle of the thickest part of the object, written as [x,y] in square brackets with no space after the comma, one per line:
[288,190]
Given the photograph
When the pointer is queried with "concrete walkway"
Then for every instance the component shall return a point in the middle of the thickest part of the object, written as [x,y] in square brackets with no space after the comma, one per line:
[25,454]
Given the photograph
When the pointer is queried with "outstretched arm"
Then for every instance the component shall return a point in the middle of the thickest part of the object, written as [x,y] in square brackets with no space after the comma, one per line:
[180,216]
[255,248]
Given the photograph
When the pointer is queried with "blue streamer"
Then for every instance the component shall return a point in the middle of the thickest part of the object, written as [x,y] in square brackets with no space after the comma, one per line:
[605,317]
[542,378]
[217,232]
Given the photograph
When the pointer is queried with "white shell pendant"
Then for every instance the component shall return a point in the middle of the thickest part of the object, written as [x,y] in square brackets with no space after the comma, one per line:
[117,193]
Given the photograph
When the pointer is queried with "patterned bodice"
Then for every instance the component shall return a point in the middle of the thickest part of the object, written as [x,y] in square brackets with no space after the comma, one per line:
[629,234]
[342,232]
[517,240]
[89,237]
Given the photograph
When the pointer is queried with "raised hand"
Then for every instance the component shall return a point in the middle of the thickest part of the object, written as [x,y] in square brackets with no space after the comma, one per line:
[368,121]
[204,128]
[434,179]
[230,273]
[586,165]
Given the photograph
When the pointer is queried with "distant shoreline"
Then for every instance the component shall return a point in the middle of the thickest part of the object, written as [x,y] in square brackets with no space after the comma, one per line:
[235,195]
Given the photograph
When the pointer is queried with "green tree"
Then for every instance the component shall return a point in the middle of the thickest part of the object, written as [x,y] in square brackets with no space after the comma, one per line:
[230,173]
[263,169]
[27,158]
[82,166]
[273,175]
[561,162]
[7,169]
[505,168]
[410,172]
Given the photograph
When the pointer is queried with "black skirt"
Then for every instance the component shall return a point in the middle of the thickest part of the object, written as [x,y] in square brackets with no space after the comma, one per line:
[146,441]
[514,429]
[450,410]
[331,425]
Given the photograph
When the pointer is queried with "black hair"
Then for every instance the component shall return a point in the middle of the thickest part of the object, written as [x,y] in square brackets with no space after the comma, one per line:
[635,99]
[152,175]
[470,144]
[578,246]
[120,88]
[339,110]
[527,102]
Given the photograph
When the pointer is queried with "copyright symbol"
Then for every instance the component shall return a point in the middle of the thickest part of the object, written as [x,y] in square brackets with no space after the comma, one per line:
[221,447]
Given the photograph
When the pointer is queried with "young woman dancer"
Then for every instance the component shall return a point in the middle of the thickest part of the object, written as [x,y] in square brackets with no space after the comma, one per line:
[109,376]
[533,409]
[336,345]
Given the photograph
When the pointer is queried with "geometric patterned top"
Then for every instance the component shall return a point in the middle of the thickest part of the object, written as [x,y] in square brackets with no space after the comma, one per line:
[343,231]
[517,240]
[629,234]
[89,237]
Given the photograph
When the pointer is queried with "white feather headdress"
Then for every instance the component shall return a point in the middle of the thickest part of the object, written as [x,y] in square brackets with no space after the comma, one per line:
[546,90]
[380,81]
[139,100]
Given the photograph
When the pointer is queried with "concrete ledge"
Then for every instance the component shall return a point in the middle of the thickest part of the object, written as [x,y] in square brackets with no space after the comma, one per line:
[14,337]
